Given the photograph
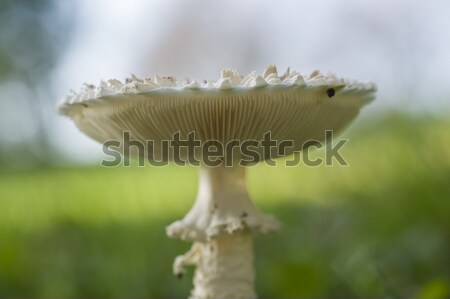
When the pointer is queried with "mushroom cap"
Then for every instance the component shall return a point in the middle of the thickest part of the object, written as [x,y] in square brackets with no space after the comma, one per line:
[235,107]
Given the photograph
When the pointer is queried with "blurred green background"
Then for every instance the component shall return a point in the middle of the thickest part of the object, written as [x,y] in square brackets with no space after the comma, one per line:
[379,228]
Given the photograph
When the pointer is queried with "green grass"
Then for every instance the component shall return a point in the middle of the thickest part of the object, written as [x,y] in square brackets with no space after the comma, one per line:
[378,228]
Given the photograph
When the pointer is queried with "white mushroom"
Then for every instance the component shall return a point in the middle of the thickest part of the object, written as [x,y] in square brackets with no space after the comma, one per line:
[223,220]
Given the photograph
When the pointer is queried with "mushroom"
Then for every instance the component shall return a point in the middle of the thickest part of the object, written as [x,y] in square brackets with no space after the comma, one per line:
[223,219]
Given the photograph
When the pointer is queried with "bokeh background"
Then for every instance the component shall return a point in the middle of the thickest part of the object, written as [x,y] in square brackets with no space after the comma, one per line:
[379,228]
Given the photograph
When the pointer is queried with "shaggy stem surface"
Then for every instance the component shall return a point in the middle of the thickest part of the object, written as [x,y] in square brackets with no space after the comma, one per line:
[224,267]
[222,224]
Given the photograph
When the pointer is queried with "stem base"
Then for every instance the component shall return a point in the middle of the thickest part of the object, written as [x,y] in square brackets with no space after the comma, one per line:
[224,267]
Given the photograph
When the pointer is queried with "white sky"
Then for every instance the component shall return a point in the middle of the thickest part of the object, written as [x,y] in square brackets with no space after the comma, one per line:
[403,46]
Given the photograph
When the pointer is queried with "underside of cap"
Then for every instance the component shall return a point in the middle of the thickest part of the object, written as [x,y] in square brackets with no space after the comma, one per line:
[235,107]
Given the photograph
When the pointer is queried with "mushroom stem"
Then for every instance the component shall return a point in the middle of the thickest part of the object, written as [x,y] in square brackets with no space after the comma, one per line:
[221,223]
[222,205]
[224,267]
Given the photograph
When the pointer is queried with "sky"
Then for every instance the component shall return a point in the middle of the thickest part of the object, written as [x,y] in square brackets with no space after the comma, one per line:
[402,46]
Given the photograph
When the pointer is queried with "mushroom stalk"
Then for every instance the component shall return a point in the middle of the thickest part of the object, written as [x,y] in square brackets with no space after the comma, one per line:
[224,267]
[221,223]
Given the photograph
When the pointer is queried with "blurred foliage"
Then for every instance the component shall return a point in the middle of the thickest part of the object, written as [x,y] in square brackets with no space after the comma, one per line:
[378,228]
[33,35]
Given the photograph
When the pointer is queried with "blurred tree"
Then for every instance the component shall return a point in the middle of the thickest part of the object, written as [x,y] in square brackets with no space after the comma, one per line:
[33,34]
